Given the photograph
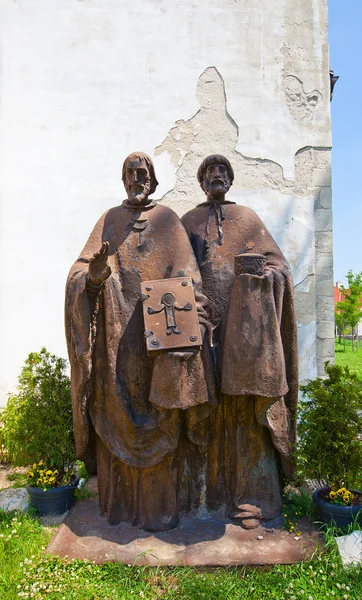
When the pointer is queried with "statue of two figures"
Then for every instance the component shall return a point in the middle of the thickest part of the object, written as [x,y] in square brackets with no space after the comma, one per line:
[207,421]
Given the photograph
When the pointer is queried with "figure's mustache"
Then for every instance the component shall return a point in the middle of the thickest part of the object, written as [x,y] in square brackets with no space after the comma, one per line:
[217,180]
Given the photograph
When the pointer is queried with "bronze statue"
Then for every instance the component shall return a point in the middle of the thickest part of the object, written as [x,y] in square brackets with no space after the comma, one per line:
[248,284]
[141,416]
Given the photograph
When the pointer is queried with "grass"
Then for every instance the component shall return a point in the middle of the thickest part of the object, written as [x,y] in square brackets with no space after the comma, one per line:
[345,357]
[27,572]
[297,504]
[17,479]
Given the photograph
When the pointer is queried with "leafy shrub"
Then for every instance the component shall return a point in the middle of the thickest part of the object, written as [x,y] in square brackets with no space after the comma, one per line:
[4,455]
[330,427]
[37,421]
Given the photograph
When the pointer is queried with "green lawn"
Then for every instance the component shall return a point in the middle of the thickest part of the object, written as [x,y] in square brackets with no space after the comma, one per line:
[347,357]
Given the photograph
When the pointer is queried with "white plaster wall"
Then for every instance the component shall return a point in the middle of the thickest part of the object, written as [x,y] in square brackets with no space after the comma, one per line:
[85,82]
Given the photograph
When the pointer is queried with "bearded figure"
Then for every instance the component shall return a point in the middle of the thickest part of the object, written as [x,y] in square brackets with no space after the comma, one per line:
[139,419]
[249,287]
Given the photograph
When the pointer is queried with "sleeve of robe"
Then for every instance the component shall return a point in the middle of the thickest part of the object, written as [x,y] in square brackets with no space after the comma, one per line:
[80,328]
[258,354]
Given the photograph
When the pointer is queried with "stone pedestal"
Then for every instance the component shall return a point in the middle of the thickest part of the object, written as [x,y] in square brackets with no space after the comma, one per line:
[201,539]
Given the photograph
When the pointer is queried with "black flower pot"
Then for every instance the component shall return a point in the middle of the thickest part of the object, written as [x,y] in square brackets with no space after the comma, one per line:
[54,501]
[341,515]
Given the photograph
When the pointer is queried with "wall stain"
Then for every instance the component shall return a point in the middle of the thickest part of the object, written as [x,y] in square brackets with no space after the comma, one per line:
[301,104]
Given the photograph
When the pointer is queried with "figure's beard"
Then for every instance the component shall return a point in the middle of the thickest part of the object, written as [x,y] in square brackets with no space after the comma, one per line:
[217,188]
[138,194]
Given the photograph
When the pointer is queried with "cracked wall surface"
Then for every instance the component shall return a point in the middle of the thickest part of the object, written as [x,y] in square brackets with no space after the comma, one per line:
[291,208]
[84,83]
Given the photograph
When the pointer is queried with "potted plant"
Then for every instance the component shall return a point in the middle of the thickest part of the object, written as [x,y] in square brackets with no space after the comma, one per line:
[51,490]
[38,430]
[329,448]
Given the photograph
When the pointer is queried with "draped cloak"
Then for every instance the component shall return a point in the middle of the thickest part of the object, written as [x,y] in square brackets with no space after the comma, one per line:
[255,339]
[119,392]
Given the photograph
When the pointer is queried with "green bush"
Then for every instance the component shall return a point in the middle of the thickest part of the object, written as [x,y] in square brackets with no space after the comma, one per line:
[37,421]
[329,448]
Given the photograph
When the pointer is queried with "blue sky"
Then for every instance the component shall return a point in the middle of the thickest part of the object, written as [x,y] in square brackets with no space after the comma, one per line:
[345,41]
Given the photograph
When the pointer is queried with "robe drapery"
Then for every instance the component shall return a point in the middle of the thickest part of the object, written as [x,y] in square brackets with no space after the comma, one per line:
[141,447]
[255,340]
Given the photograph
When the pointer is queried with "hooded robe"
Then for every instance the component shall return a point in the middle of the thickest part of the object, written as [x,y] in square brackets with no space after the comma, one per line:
[254,337]
[141,415]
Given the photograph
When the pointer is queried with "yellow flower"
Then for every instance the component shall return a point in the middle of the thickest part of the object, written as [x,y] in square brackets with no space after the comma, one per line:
[49,472]
[56,472]
[332,494]
[34,466]
[30,475]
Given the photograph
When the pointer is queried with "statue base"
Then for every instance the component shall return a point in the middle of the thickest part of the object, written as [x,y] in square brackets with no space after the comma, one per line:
[200,539]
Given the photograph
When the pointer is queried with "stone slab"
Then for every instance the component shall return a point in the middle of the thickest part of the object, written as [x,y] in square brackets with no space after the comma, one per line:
[14,499]
[201,539]
[350,548]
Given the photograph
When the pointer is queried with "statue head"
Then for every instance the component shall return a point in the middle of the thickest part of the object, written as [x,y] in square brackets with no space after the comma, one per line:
[138,176]
[216,176]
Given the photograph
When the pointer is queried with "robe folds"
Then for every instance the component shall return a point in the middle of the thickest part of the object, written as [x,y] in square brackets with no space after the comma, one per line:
[255,340]
[142,415]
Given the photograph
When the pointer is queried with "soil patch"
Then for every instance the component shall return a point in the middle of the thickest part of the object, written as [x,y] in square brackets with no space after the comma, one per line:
[5,471]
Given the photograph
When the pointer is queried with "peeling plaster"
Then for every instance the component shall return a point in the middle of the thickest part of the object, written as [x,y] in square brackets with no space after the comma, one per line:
[213,130]
[304,285]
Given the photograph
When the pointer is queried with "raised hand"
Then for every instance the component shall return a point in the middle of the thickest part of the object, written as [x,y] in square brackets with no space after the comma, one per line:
[98,269]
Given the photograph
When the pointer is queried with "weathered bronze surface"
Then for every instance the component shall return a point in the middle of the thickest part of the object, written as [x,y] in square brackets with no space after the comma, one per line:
[139,420]
[170,314]
[146,356]
[250,263]
[249,286]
